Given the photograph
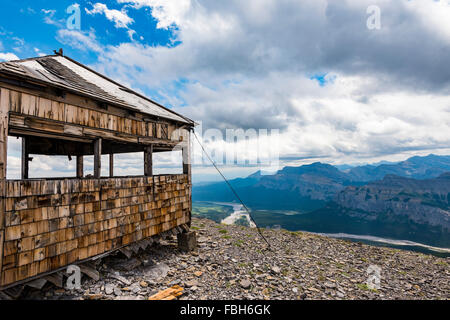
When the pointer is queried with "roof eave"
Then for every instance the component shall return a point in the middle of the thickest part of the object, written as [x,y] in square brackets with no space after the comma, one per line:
[61,87]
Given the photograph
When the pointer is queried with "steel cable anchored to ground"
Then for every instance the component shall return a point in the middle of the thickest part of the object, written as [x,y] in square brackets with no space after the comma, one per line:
[232,189]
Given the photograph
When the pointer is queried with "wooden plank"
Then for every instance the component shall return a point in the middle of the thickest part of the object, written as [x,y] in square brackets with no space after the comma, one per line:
[97,157]
[120,278]
[148,161]
[25,158]
[80,167]
[55,278]
[168,294]
[111,165]
[4,113]
[2,238]
[69,131]
[14,130]
[74,130]
[37,284]
[186,151]
[4,106]
[90,271]
[14,292]
[15,99]
[4,296]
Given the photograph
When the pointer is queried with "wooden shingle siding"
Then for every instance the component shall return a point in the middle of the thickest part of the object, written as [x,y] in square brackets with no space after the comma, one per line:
[52,223]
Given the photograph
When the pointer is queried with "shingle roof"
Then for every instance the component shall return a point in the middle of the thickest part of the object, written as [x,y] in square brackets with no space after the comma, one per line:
[63,72]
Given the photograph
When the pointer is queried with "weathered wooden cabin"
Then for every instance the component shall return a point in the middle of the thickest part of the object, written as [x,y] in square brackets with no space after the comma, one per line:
[61,107]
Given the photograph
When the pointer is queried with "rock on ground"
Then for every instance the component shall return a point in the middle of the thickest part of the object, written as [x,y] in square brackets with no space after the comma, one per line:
[233,262]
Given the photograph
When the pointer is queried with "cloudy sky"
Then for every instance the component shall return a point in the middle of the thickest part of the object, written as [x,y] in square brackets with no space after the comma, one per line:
[339,84]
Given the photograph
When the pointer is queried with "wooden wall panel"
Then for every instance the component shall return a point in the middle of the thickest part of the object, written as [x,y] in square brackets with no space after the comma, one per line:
[27,104]
[53,223]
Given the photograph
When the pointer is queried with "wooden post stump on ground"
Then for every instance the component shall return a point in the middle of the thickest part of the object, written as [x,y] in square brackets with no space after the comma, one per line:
[187,241]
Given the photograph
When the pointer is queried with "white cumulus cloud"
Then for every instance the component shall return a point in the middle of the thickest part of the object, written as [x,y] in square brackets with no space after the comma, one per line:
[120,18]
[251,64]
[8,56]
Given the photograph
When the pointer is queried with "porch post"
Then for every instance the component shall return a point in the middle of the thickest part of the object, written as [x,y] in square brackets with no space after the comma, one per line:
[148,161]
[97,158]
[80,167]
[25,158]
[111,165]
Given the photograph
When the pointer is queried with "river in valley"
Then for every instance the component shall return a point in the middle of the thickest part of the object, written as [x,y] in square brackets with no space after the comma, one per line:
[239,212]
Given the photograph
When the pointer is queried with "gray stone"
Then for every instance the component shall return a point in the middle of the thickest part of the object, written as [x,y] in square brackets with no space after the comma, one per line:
[136,289]
[158,271]
[109,289]
[276,269]
[191,283]
[245,284]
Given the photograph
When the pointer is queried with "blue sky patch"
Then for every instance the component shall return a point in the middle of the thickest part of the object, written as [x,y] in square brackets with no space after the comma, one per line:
[323,78]
[30,28]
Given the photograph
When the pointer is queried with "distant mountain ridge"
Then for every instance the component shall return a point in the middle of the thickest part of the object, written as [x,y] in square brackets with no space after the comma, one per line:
[407,200]
[310,187]
[427,167]
[422,201]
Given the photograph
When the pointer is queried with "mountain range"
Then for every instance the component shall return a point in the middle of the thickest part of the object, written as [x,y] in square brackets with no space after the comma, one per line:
[413,194]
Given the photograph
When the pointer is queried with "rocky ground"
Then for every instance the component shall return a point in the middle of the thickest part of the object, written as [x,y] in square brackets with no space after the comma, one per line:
[233,262]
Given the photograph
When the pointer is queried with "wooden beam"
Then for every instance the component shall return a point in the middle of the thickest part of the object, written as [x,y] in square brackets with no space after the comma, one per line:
[4,120]
[186,151]
[97,157]
[25,158]
[80,167]
[111,165]
[24,132]
[31,125]
[148,161]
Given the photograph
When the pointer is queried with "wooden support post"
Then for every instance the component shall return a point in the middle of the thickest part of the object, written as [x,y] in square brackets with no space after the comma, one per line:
[111,165]
[148,161]
[4,113]
[80,167]
[97,158]
[187,241]
[186,153]
[25,158]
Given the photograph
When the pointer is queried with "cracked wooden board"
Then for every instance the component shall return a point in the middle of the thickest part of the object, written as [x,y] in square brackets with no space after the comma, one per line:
[169,294]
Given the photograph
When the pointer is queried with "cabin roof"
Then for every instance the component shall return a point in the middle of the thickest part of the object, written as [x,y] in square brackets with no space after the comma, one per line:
[65,73]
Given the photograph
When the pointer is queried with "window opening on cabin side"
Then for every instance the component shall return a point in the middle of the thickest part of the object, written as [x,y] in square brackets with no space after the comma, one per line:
[48,158]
